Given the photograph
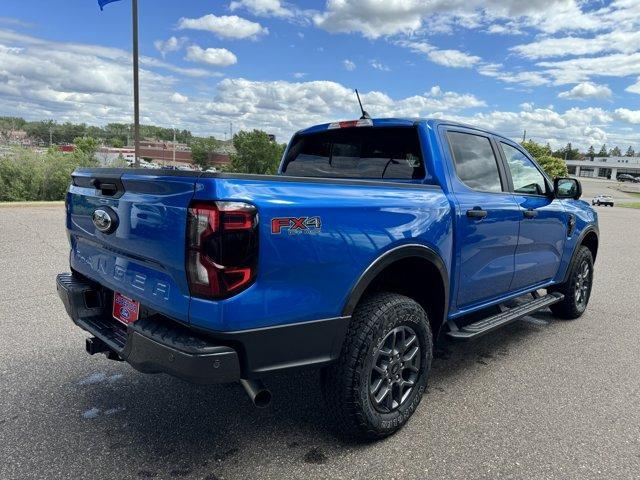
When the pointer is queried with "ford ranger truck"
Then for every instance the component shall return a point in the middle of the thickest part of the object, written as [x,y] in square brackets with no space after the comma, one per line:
[375,239]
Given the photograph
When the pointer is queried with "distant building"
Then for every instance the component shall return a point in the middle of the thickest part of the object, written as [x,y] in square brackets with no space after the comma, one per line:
[604,167]
[162,153]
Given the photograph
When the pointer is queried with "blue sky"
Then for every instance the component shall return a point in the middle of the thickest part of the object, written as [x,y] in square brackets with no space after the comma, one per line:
[564,70]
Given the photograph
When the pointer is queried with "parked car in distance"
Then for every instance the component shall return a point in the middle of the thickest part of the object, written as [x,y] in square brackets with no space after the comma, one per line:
[606,200]
[625,177]
[376,238]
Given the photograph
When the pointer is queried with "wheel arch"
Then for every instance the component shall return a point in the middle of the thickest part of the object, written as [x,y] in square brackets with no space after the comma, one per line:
[413,261]
[589,238]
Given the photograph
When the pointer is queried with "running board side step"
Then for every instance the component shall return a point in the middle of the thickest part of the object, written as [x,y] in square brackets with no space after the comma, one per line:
[486,325]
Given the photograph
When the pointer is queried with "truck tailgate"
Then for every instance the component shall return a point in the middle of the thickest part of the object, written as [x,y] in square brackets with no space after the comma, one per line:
[143,257]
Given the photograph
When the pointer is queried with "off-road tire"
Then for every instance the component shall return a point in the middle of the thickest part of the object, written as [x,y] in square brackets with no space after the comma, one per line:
[346,384]
[570,308]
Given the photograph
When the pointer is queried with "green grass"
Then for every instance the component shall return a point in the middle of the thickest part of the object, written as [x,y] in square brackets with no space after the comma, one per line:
[630,205]
[55,203]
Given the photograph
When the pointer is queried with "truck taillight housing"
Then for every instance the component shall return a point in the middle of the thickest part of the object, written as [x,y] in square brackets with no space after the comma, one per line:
[222,248]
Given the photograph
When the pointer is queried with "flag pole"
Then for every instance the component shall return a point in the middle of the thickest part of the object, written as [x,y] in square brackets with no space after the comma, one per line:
[136,85]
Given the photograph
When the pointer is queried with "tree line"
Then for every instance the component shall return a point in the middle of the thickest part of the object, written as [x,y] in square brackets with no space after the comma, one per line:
[28,175]
[569,153]
[113,134]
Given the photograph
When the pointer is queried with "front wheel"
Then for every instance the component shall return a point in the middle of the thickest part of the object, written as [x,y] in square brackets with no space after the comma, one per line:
[378,381]
[577,288]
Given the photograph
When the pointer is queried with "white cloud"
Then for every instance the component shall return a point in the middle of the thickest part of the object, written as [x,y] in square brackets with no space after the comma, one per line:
[629,116]
[634,88]
[587,90]
[376,18]
[189,72]
[581,69]
[219,57]
[266,8]
[179,98]
[225,26]
[504,29]
[349,65]
[172,44]
[527,78]
[299,74]
[447,58]
[379,66]
[615,41]
[14,22]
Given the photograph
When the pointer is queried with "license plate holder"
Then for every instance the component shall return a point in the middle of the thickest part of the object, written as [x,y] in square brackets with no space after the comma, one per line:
[125,309]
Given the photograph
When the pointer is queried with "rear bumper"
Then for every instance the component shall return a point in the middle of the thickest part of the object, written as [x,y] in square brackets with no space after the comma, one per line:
[157,344]
[150,345]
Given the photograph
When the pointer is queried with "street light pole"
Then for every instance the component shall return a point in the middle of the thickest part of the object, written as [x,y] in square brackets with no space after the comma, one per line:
[136,85]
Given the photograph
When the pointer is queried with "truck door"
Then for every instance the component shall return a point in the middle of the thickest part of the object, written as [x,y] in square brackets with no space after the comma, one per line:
[543,220]
[487,217]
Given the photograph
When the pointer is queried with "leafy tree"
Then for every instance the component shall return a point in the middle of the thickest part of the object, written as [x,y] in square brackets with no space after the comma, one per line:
[630,152]
[535,149]
[568,152]
[86,145]
[201,150]
[255,153]
[555,167]
[615,152]
[28,175]
[591,152]
[116,142]
[603,151]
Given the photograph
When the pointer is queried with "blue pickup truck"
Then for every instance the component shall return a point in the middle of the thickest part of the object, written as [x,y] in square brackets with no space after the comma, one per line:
[375,239]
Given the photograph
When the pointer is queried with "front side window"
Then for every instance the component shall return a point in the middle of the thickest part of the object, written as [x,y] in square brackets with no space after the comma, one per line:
[361,152]
[526,177]
[475,161]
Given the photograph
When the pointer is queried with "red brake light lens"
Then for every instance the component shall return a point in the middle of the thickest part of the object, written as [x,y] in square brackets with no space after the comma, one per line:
[222,248]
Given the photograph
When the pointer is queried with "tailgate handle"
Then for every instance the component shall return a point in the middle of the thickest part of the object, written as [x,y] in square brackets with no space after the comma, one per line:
[105,188]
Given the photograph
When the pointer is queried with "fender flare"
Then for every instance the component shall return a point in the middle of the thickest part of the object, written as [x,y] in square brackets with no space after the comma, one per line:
[392,256]
[583,234]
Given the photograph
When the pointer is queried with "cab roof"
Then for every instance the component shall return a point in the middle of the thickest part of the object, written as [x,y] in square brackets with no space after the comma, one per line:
[394,122]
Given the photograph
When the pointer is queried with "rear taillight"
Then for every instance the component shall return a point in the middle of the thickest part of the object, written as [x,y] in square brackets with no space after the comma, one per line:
[222,248]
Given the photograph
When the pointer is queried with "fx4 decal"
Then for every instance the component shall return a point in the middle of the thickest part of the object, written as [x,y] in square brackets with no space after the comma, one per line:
[295,225]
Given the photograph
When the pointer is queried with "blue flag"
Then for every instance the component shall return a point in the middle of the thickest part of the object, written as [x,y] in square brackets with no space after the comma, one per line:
[102,3]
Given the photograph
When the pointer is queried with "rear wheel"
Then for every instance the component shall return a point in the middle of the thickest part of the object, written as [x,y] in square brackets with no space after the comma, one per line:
[577,288]
[379,379]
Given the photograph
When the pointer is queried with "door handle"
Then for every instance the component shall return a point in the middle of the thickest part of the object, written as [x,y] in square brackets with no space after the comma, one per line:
[476,212]
[530,213]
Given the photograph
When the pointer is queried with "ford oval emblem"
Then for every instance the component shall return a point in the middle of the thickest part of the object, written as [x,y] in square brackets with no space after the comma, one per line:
[105,219]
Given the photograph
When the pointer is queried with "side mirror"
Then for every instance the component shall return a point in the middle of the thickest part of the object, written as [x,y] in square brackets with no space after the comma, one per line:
[567,188]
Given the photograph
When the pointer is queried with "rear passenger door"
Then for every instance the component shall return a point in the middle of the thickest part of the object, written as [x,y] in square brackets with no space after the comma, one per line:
[487,217]
[543,221]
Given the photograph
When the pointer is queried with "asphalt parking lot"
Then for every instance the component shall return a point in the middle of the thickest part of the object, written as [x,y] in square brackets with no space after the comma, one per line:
[540,399]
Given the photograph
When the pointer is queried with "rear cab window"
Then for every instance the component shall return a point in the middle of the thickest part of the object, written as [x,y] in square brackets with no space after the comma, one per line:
[475,161]
[390,153]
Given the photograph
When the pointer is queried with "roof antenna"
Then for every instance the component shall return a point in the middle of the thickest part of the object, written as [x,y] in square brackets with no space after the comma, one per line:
[365,115]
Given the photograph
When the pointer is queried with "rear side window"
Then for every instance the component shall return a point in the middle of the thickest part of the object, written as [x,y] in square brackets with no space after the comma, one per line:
[371,153]
[475,161]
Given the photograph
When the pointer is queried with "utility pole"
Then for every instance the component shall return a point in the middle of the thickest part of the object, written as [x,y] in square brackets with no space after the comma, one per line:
[174,145]
[230,130]
[50,135]
[136,85]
